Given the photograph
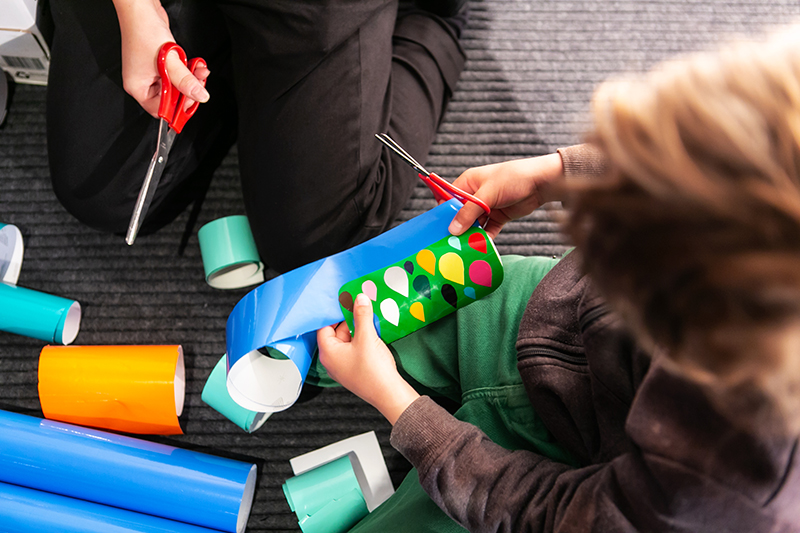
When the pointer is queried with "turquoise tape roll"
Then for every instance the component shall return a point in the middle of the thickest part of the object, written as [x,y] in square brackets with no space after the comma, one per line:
[11,251]
[38,315]
[230,257]
[326,499]
[215,394]
[337,516]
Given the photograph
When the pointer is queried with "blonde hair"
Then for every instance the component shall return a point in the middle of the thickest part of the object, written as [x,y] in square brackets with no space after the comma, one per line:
[695,230]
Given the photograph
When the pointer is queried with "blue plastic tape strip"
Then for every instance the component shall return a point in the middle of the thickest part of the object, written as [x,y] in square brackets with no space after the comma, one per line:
[23,510]
[124,472]
[285,312]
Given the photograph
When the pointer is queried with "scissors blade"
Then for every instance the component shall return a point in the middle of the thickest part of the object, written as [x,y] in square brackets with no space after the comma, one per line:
[166,136]
[396,148]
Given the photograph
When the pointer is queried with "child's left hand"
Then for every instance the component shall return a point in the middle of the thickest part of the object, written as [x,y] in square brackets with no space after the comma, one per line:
[363,364]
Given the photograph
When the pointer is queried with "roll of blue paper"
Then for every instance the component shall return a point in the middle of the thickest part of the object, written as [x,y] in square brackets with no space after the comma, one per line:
[23,510]
[38,315]
[124,472]
[286,312]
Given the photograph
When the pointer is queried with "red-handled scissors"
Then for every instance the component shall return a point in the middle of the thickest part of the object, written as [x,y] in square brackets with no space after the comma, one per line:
[442,189]
[172,119]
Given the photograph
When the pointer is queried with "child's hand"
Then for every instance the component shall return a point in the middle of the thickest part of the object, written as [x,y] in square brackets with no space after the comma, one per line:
[363,364]
[512,189]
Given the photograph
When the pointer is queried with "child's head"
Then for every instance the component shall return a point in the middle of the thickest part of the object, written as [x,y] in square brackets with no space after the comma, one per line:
[695,231]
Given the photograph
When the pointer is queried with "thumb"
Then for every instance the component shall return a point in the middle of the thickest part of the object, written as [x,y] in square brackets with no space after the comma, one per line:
[182,78]
[364,329]
[464,218]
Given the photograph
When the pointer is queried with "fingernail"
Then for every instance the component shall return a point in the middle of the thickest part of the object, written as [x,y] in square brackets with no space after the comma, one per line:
[456,227]
[362,299]
[200,94]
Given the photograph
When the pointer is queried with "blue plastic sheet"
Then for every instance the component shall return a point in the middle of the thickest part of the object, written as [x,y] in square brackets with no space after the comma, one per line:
[120,471]
[285,312]
[23,510]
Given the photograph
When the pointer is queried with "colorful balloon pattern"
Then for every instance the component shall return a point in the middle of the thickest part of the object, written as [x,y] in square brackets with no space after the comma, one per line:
[434,282]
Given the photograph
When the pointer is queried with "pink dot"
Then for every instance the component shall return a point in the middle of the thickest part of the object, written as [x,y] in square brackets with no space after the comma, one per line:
[480,272]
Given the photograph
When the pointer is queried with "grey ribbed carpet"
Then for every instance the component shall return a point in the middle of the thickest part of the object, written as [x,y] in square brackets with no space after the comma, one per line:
[531,70]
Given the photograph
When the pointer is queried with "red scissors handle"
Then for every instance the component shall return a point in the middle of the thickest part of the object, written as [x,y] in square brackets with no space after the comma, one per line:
[171,106]
[443,190]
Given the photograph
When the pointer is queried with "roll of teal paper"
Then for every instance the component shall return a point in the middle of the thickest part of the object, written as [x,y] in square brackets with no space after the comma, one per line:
[330,491]
[11,251]
[215,394]
[119,471]
[23,510]
[38,315]
[230,257]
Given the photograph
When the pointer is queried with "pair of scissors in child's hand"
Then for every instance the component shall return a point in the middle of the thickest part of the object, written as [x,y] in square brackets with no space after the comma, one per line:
[173,114]
[442,189]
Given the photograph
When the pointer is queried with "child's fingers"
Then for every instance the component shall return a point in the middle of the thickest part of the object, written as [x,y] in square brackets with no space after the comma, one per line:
[362,320]
[342,332]
[464,218]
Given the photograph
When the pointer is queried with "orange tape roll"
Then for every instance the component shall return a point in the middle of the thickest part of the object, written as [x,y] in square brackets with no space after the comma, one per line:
[136,389]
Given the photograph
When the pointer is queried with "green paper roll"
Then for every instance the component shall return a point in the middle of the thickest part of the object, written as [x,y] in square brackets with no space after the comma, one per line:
[11,250]
[330,491]
[230,257]
[38,315]
[215,394]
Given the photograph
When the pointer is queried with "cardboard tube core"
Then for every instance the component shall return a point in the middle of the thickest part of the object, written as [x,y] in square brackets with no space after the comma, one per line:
[72,324]
[180,382]
[247,500]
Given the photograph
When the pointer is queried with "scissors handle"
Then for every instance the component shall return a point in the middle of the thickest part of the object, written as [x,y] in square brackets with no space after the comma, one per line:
[435,182]
[171,106]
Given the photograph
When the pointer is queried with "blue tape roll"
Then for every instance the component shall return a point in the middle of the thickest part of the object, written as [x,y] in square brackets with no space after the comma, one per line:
[285,312]
[124,472]
[38,315]
[23,510]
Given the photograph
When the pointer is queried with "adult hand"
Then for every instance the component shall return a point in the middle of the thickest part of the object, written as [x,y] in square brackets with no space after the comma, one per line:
[512,189]
[363,364]
[144,27]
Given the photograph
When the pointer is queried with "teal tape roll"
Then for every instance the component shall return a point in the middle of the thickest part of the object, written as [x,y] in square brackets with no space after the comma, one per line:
[230,257]
[338,516]
[38,315]
[326,499]
[215,394]
[11,251]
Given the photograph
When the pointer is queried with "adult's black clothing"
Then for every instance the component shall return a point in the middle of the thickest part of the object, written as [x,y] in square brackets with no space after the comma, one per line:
[303,85]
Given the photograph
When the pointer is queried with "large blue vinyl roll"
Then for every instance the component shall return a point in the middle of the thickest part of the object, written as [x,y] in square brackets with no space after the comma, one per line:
[133,474]
[23,510]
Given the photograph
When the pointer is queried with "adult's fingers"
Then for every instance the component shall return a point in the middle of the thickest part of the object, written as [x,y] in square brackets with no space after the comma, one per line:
[186,82]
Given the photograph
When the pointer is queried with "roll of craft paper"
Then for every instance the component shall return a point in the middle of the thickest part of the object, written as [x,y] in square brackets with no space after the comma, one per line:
[230,257]
[137,389]
[418,290]
[125,472]
[366,458]
[11,251]
[38,315]
[23,510]
[326,499]
[215,394]
[285,313]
